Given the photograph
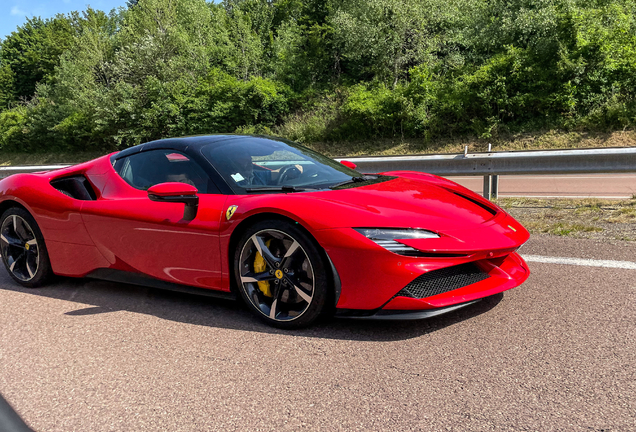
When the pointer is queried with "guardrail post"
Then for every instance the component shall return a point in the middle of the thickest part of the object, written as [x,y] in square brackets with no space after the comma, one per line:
[491,186]
[487,187]
[494,186]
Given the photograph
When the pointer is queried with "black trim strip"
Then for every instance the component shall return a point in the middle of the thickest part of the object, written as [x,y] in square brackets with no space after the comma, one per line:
[485,206]
[121,276]
[399,315]
[336,280]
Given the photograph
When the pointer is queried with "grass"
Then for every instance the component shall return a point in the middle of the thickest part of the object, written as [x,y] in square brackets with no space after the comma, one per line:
[15,159]
[588,218]
[541,140]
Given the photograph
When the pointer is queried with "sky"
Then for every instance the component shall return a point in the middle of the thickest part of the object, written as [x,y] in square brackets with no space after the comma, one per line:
[13,13]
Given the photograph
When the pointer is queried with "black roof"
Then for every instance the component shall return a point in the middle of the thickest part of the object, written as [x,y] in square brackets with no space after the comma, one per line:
[186,143]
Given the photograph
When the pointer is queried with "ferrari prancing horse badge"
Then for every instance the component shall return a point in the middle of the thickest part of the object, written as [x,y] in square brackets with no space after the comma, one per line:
[230,212]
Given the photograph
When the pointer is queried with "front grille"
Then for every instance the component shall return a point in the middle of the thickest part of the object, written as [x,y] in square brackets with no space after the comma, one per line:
[443,280]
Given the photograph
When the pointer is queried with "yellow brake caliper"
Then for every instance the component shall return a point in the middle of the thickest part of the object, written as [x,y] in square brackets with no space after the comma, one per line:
[259,267]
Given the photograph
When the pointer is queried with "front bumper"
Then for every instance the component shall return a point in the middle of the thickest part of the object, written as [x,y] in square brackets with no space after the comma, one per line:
[373,280]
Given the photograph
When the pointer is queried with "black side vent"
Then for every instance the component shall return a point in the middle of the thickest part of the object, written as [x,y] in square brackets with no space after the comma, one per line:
[486,207]
[76,186]
[443,280]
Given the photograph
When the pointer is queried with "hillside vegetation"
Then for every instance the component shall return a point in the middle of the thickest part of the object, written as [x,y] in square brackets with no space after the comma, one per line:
[347,76]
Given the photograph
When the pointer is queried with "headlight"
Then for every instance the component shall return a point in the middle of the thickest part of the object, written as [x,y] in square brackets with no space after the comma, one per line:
[386,237]
[395,233]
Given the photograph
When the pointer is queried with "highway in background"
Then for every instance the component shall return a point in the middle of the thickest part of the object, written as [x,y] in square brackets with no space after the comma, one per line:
[555,354]
[604,185]
[610,186]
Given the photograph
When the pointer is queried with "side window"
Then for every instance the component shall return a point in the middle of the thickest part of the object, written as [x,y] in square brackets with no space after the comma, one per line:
[146,169]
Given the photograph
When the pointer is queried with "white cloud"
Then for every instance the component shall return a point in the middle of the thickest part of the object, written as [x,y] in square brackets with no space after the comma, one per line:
[17,11]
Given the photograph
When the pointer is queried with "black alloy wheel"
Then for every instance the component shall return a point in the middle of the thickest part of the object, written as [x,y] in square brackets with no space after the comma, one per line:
[23,250]
[280,274]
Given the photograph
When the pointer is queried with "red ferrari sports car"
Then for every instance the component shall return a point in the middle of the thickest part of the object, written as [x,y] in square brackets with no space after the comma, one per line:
[292,232]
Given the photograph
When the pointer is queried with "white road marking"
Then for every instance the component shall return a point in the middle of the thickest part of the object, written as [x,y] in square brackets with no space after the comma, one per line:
[581,262]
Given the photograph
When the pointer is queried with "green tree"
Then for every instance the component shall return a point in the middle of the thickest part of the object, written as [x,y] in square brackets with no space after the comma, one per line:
[382,38]
[32,52]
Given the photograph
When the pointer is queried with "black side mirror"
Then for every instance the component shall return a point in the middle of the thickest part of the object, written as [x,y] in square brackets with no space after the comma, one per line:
[177,193]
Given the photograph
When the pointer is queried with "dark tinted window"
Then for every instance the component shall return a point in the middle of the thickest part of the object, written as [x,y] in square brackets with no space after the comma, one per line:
[146,169]
[248,162]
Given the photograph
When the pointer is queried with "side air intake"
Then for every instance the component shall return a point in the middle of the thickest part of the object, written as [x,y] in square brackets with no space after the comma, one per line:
[76,186]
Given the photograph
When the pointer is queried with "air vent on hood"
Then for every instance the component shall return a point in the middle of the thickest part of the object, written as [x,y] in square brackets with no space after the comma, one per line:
[483,205]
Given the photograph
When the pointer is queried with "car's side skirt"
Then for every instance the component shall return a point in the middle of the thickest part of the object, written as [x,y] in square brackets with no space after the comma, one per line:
[121,276]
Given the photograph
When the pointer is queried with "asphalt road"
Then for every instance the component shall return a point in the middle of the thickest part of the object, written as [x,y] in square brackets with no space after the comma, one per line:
[556,354]
[612,186]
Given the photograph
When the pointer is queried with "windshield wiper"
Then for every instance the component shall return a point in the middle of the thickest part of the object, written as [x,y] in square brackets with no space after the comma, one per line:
[277,189]
[353,180]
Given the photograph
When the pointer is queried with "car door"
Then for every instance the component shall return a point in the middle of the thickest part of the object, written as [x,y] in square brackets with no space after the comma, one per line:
[138,235]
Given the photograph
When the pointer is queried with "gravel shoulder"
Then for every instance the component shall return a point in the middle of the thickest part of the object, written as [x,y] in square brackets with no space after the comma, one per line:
[601,220]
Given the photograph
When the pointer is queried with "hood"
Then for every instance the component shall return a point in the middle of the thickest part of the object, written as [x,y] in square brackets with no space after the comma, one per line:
[402,203]
[464,220]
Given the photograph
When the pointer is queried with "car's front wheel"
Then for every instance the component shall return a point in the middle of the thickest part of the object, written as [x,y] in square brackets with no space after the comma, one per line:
[23,250]
[281,274]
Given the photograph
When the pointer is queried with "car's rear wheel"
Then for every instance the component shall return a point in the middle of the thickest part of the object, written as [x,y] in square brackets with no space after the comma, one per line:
[23,250]
[280,274]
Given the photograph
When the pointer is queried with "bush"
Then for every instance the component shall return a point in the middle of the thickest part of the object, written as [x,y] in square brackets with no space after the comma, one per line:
[13,129]
[374,112]
[222,104]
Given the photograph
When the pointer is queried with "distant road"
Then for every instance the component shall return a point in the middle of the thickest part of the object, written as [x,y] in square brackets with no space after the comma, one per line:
[609,186]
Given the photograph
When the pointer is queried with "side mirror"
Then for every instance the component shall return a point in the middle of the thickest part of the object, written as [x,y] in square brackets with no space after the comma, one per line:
[175,192]
[348,164]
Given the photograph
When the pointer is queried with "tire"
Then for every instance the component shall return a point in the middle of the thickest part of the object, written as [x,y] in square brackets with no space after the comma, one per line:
[281,274]
[23,250]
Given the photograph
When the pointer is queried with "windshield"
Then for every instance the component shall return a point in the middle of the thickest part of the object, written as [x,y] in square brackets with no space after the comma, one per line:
[251,164]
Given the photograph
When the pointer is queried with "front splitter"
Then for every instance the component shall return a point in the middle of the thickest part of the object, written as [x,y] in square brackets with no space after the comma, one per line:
[396,315]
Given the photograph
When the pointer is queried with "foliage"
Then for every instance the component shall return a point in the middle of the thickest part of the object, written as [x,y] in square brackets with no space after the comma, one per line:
[317,70]
[30,55]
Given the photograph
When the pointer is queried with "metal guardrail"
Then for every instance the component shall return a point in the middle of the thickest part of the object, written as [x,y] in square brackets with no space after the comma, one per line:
[6,171]
[492,164]
[487,164]
[512,162]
